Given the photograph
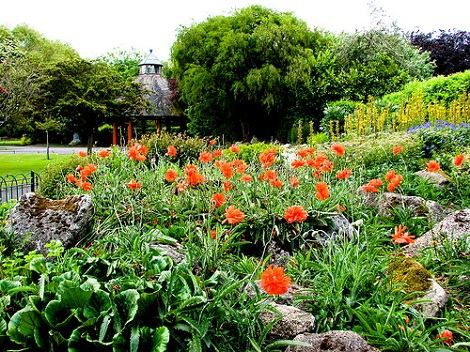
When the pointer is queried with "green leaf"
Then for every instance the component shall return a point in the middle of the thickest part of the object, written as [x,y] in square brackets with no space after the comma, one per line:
[6,285]
[161,338]
[57,314]
[146,302]
[38,265]
[98,303]
[134,340]
[75,297]
[23,323]
[195,344]
[125,308]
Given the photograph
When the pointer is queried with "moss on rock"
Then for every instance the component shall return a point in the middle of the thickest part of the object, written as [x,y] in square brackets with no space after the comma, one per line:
[409,275]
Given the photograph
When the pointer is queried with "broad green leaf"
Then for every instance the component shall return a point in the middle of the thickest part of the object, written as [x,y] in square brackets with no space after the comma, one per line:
[57,314]
[3,326]
[24,322]
[75,297]
[6,285]
[146,303]
[135,337]
[38,265]
[91,284]
[161,338]
[98,303]
[104,328]
[126,307]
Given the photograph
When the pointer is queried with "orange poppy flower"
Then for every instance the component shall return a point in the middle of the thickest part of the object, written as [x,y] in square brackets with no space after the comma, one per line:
[225,167]
[133,185]
[214,234]
[227,186]
[298,163]
[268,175]
[217,153]
[193,177]
[274,282]
[303,153]
[268,157]
[205,157]
[86,171]
[171,175]
[346,173]
[233,216]
[212,141]
[246,178]
[402,237]
[104,153]
[71,178]
[338,149]
[294,181]
[171,151]
[447,335]
[397,149]
[87,186]
[372,185]
[218,199]
[459,159]
[82,153]
[276,183]
[295,213]
[235,149]
[240,165]
[433,166]
[322,191]
[390,175]
[137,152]
[394,182]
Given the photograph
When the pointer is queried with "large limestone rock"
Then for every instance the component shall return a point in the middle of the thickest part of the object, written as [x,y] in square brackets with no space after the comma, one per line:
[332,341]
[453,227]
[36,220]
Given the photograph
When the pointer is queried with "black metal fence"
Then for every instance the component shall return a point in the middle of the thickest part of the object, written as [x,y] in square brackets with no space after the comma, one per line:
[14,186]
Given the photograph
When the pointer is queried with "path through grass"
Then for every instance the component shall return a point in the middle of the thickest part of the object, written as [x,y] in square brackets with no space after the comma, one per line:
[14,164]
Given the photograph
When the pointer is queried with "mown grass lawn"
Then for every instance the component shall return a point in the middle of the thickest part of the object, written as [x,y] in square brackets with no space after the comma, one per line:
[14,164]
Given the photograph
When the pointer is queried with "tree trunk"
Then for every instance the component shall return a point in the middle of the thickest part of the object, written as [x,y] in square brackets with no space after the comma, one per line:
[89,145]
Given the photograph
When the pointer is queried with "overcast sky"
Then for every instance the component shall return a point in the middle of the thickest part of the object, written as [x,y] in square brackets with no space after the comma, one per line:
[96,27]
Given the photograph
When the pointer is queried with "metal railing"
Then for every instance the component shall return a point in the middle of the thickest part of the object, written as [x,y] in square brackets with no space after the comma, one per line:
[14,186]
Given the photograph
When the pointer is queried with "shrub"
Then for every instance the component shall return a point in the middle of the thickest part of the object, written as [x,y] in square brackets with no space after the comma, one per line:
[333,115]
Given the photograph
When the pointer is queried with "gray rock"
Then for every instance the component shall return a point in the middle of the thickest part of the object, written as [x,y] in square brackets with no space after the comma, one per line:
[35,220]
[453,227]
[175,252]
[293,322]
[437,300]
[332,341]
[438,179]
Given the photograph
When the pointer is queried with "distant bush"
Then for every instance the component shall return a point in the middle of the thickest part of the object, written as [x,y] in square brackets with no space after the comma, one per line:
[334,113]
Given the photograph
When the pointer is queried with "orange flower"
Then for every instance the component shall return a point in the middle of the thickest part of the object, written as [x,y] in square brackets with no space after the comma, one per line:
[402,237]
[394,182]
[303,153]
[212,141]
[346,173]
[218,199]
[227,186]
[298,163]
[433,166]
[87,186]
[268,175]
[87,171]
[104,153]
[181,187]
[372,185]
[276,183]
[294,181]
[137,152]
[171,150]
[459,159]
[240,165]
[295,213]
[71,178]
[225,167]
[397,149]
[171,175]
[322,190]
[274,282]
[268,157]
[214,234]
[390,175]
[193,177]
[246,178]
[338,149]
[447,335]
[217,153]
[132,184]
[233,216]
[205,157]
[82,153]
[234,148]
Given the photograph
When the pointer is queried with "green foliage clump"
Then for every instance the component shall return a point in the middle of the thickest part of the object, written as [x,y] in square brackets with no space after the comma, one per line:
[53,178]
[333,116]
[188,148]
[249,152]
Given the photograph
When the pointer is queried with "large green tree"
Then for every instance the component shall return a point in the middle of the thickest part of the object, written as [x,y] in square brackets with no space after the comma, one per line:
[252,73]
[84,95]
[24,53]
